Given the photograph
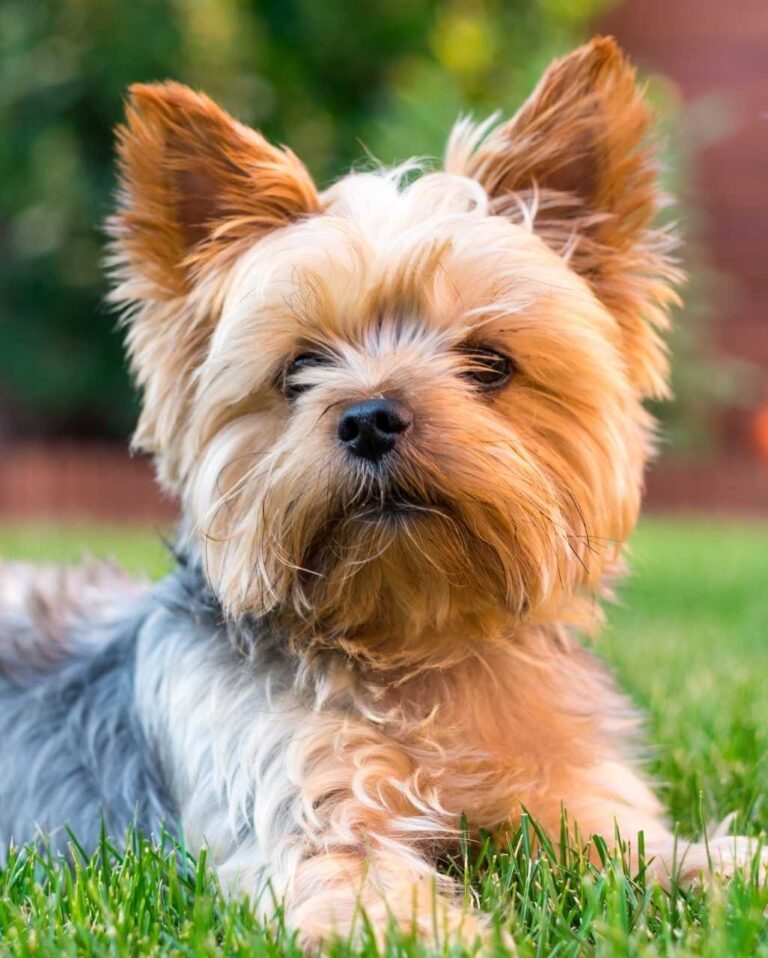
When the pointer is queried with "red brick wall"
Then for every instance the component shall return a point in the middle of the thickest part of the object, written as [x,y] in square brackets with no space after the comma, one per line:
[71,481]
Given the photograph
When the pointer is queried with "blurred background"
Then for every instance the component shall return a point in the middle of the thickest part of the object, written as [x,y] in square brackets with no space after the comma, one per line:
[338,80]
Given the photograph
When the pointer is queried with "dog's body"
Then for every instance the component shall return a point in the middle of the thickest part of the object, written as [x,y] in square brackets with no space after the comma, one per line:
[405,420]
[155,712]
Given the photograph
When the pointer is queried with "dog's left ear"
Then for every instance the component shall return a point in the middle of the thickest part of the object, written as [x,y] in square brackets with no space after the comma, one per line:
[576,160]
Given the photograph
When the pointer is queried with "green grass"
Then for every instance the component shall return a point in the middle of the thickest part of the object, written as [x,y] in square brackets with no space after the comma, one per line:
[141,551]
[689,642]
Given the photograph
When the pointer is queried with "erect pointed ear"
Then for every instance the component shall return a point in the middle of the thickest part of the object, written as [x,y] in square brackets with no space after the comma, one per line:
[576,160]
[193,181]
[195,187]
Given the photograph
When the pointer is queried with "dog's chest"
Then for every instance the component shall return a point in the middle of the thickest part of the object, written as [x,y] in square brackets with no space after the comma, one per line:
[457,746]
[249,767]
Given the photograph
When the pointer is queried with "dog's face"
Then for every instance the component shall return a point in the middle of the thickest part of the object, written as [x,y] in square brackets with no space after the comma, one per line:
[407,403]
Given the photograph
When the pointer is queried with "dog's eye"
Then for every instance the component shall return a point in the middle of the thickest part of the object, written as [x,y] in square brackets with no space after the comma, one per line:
[486,368]
[289,384]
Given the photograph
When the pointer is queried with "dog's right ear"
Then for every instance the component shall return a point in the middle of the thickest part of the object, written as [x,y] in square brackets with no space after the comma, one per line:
[195,188]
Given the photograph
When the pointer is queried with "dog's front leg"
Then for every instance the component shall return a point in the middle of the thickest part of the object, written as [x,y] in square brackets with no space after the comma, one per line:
[384,885]
[329,888]
[611,798]
[357,843]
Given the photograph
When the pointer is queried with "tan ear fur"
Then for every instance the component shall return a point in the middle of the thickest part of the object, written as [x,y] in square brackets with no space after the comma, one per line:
[576,158]
[189,175]
[195,186]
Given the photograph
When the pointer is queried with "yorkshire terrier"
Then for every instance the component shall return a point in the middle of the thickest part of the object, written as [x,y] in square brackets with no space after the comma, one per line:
[405,420]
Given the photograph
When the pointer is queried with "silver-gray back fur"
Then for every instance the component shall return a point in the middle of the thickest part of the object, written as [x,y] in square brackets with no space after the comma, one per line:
[74,749]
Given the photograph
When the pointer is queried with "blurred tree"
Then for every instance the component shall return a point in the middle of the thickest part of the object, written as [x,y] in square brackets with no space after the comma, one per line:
[333,78]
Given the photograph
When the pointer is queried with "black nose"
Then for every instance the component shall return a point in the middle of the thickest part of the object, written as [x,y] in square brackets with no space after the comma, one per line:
[370,429]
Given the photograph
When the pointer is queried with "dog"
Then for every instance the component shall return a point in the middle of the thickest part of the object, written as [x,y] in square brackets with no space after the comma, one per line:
[405,419]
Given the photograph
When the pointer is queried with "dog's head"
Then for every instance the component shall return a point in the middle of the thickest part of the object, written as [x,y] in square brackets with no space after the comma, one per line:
[414,400]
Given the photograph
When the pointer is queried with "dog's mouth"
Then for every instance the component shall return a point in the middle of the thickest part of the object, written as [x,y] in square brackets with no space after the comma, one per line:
[394,505]
[373,510]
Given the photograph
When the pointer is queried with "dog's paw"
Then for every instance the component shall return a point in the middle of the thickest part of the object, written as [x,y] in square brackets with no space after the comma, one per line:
[724,856]
[437,924]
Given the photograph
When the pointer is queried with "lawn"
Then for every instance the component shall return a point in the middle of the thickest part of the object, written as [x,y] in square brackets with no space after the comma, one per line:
[689,641]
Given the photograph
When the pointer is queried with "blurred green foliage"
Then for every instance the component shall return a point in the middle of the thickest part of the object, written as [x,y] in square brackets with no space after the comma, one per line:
[335,79]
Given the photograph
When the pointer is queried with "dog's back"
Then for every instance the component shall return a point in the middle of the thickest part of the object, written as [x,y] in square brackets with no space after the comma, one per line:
[73,750]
